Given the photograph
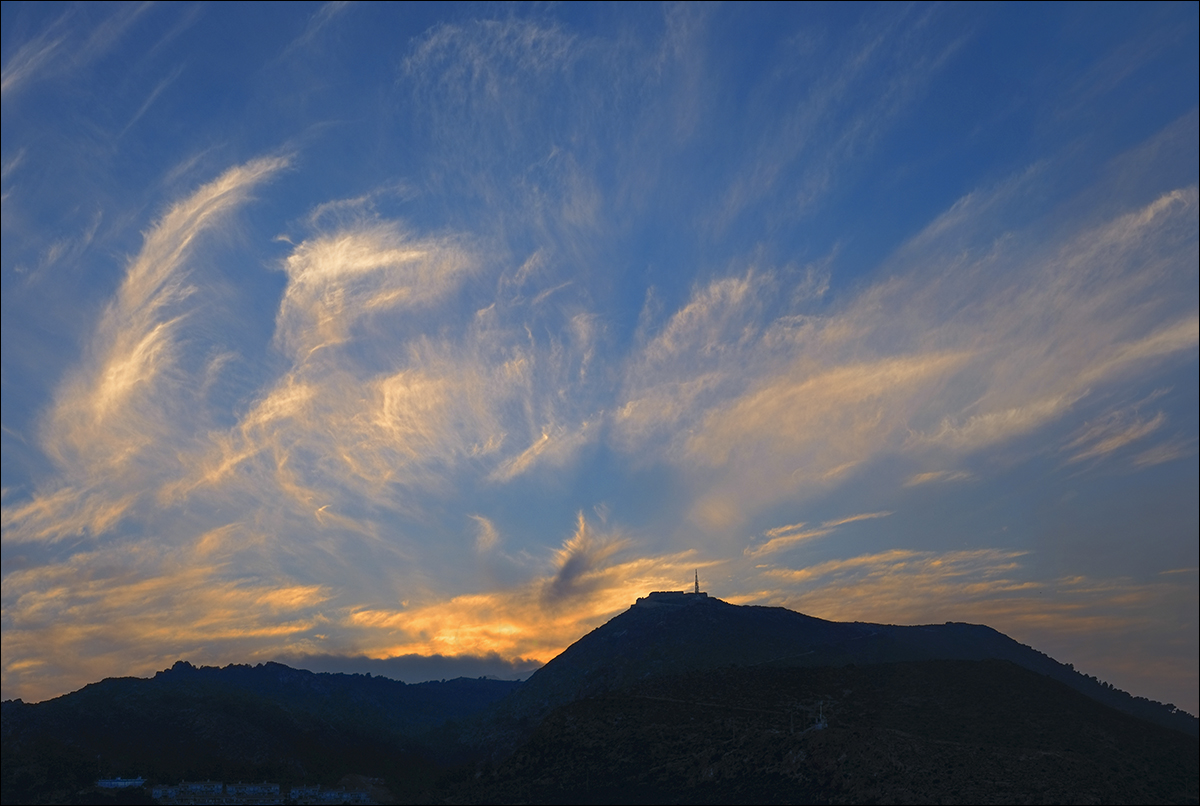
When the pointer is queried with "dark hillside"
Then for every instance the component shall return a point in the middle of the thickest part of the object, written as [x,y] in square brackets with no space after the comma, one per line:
[237,723]
[927,732]
[680,698]
[648,641]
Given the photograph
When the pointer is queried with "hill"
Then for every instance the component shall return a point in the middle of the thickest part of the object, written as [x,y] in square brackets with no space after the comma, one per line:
[912,732]
[674,634]
[235,723]
[683,697]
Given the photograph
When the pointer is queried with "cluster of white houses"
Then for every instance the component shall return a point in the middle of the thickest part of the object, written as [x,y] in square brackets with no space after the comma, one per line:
[217,792]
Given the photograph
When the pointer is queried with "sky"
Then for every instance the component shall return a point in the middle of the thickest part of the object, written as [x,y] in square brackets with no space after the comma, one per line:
[421,340]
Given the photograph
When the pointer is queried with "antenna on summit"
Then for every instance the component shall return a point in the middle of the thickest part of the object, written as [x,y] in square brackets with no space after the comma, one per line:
[697,580]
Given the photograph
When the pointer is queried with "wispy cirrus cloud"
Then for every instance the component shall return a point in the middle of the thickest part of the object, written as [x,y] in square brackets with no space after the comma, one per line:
[67,43]
[918,479]
[487,537]
[27,61]
[1166,452]
[64,513]
[864,516]
[783,537]
[165,82]
[103,410]
[780,540]
[981,566]
[341,281]
[375,410]
[793,167]
[1113,433]
[771,409]
[112,425]
[328,12]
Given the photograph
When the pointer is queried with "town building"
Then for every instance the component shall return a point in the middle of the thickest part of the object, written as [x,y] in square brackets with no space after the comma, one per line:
[120,783]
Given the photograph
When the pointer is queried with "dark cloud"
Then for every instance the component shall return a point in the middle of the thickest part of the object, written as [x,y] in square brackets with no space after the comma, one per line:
[581,561]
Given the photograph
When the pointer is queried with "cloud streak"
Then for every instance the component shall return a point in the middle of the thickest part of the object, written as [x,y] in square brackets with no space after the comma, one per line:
[122,403]
[771,410]
[46,54]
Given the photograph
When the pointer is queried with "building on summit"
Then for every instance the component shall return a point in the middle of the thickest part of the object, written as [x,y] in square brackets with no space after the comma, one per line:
[673,598]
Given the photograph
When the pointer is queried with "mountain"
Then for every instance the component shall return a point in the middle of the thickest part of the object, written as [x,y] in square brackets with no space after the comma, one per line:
[682,697]
[670,634]
[235,723]
[910,732]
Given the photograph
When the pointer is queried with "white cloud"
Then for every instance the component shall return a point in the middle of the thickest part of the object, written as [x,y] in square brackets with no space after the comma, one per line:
[865,516]
[487,538]
[1166,452]
[28,60]
[1110,434]
[783,540]
[67,43]
[336,282]
[112,425]
[323,16]
[955,352]
[783,537]
[936,475]
[981,430]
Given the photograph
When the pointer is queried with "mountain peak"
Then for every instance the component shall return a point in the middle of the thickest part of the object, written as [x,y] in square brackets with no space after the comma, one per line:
[673,632]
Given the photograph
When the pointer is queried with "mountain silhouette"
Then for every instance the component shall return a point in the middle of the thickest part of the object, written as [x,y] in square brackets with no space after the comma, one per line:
[239,722]
[684,698]
[671,634]
[680,698]
[909,732]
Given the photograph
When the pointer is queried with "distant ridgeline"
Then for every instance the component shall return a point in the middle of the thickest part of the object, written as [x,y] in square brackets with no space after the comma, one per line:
[239,723]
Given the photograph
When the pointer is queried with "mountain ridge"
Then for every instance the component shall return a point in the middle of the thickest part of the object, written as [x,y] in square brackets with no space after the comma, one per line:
[692,631]
[905,732]
[660,659]
[238,722]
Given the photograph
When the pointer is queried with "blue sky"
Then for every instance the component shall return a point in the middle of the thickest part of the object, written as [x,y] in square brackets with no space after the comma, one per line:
[422,339]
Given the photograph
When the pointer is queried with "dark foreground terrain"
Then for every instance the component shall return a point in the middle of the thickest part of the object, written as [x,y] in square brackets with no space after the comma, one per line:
[774,707]
[240,723]
[923,732]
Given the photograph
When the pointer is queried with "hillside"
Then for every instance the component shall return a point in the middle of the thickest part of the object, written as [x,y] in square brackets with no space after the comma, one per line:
[680,698]
[914,732]
[236,723]
[652,639]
